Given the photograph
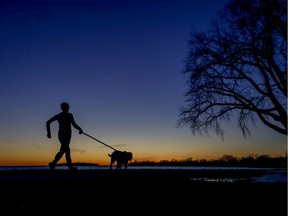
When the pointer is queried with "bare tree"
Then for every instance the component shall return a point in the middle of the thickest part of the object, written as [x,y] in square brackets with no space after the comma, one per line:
[238,67]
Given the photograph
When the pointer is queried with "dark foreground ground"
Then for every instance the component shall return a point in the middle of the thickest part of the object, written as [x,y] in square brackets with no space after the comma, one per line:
[140,192]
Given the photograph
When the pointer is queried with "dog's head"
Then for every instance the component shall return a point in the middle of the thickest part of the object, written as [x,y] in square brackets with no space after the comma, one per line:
[128,155]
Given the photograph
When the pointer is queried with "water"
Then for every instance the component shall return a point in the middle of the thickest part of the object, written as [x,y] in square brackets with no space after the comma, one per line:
[272,175]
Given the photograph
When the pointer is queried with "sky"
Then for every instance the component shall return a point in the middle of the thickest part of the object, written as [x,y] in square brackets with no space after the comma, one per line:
[118,64]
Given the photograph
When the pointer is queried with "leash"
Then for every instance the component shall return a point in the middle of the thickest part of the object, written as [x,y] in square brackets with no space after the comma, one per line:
[100,141]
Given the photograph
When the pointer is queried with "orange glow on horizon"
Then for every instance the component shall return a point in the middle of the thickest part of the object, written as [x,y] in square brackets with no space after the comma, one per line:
[106,161]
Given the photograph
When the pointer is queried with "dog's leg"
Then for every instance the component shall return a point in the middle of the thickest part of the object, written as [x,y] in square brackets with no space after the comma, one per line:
[111,163]
[118,165]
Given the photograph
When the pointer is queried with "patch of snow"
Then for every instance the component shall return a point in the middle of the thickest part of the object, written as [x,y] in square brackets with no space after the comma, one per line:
[280,177]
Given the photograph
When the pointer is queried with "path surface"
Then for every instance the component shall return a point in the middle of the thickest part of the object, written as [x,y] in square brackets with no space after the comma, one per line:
[140,192]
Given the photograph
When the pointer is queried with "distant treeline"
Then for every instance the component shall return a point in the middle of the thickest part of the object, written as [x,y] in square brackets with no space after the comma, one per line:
[262,161]
[79,164]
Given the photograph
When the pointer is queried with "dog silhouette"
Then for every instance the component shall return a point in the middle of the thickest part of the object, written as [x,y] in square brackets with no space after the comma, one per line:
[120,157]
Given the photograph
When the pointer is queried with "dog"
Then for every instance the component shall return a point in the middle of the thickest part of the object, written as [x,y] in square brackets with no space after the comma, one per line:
[121,157]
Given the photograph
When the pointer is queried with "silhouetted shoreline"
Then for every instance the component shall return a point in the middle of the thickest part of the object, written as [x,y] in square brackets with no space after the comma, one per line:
[148,191]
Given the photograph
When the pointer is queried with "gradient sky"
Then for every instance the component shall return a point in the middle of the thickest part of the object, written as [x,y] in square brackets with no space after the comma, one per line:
[117,63]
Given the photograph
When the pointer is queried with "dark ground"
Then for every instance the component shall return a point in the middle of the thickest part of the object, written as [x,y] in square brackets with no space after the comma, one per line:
[140,192]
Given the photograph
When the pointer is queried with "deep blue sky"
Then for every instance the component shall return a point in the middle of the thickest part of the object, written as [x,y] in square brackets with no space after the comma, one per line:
[117,63]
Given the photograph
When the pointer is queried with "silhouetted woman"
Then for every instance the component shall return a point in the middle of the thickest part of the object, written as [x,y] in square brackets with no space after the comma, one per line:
[65,120]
